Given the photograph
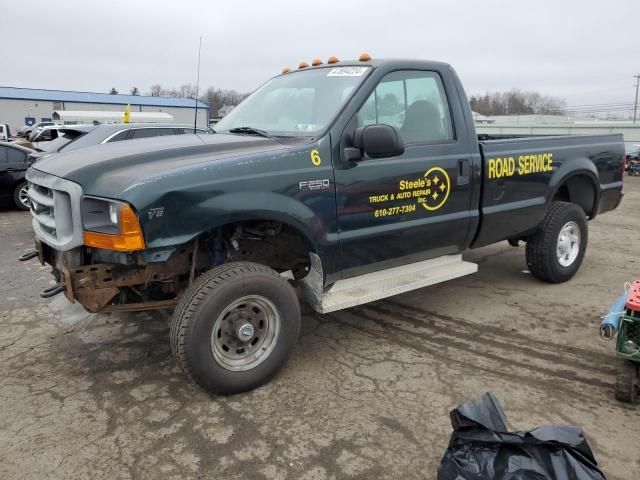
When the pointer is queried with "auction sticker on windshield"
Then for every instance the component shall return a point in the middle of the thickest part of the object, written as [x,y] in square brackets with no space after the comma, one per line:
[347,72]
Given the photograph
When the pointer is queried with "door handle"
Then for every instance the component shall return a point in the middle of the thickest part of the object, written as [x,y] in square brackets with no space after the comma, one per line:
[464,172]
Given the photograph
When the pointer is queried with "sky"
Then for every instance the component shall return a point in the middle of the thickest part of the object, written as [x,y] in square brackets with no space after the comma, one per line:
[585,52]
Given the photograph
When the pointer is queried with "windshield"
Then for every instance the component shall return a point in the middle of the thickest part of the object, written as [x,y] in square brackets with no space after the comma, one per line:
[64,138]
[296,104]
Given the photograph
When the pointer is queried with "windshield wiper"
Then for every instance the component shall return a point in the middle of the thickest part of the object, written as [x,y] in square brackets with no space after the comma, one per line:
[250,131]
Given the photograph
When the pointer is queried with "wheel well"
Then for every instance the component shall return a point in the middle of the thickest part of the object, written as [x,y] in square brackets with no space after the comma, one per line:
[275,244]
[580,190]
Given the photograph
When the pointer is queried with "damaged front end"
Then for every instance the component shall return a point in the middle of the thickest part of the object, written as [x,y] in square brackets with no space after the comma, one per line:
[97,252]
[103,280]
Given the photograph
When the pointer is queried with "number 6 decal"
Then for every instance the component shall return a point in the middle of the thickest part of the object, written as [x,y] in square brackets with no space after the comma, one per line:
[315,158]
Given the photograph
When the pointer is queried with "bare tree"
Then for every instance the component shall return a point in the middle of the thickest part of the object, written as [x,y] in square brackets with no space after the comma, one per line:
[517,102]
[217,98]
[113,91]
[155,90]
[134,91]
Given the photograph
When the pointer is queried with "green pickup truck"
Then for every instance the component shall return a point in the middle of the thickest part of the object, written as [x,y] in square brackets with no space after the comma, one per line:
[343,182]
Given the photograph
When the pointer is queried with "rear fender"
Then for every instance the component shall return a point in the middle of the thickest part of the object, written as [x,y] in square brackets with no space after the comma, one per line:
[581,168]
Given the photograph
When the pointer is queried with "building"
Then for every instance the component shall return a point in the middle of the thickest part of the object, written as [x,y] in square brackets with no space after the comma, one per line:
[479,118]
[225,110]
[26,106]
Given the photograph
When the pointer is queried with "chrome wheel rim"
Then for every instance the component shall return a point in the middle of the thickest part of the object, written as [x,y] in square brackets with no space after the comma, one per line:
[23,196]
[245,333]
[568,245]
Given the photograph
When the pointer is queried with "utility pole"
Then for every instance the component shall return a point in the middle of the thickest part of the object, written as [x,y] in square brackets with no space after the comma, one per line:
[635,105]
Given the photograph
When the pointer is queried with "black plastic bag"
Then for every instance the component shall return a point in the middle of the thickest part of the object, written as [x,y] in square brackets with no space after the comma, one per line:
[482,448]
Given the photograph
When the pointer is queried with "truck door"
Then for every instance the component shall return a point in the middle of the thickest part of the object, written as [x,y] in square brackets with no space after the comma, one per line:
[412,206]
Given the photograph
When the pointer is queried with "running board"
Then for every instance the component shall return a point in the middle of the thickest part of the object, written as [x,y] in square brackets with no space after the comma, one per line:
[385,283]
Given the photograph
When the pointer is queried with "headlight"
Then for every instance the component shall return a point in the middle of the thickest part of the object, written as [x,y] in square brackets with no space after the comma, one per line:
[111,225]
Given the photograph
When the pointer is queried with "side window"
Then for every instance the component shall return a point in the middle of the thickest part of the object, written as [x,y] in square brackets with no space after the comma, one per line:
[165,131]
[144,133]
[15,156]
[3,154]
[413,101]
[120,136]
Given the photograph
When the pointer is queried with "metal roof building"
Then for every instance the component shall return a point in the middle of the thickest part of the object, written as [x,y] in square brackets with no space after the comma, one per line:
[23,106]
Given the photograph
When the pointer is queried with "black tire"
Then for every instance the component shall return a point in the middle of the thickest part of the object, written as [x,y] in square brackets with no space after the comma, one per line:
[628,382]
[542,258]
[202,306]
[16,196]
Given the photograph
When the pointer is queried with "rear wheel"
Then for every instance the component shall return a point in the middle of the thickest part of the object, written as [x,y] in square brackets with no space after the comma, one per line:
[21,196]
[235,327]
[556,249]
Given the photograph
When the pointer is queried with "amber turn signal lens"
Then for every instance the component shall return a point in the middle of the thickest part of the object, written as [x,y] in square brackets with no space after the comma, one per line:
[286,70]
[316,62]
[332,59]
[303,65]
[364,57]
[130,237]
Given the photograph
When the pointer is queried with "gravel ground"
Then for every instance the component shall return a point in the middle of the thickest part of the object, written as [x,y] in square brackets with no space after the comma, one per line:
[366,394]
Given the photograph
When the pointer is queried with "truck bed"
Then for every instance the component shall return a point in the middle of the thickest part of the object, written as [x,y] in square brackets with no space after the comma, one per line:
[522,174]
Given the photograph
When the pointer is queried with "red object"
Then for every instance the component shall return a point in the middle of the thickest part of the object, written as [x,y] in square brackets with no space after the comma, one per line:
[633,299]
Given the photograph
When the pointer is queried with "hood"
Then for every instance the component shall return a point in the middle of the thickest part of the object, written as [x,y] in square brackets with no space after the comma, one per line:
[106,170]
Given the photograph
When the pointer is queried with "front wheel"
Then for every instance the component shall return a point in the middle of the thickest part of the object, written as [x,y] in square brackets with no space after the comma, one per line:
[21,196]
[235,327]
[556,250]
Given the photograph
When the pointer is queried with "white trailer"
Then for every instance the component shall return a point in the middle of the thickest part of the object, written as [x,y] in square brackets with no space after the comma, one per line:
[71,117]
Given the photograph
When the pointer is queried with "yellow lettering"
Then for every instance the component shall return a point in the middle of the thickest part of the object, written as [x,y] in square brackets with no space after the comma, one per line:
[492,168]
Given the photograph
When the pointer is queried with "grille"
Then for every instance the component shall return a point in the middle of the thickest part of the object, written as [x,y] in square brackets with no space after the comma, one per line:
[55,205]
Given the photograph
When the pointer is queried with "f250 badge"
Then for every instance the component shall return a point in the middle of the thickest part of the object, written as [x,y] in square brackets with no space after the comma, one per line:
[313,185]
[155,212]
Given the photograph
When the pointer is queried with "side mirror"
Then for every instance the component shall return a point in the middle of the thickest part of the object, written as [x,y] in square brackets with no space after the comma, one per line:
[378,141]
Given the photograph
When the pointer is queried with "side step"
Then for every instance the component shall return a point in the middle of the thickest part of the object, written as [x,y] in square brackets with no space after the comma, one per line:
[385,283]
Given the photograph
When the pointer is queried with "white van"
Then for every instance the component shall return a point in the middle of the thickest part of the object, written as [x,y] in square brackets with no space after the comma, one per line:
[4,132]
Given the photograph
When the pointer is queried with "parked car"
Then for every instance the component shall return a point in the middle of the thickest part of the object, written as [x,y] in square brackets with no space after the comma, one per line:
[632,153]
[13,165]
[26,130]
[79,136]
[312,175]
[44,134]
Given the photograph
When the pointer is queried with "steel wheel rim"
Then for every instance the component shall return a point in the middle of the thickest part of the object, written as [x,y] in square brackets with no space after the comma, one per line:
[568,245]
[245,333]
[23,196]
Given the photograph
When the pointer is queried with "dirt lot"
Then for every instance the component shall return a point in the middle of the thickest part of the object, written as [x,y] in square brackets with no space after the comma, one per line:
[366,394]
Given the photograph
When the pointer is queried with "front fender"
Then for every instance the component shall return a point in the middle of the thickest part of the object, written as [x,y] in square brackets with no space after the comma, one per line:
[189,215]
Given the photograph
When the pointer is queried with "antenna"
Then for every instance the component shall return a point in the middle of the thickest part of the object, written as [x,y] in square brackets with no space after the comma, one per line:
[635,105]
[195,118]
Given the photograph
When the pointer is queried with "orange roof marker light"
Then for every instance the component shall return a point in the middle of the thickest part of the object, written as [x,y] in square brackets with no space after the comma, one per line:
[316,61]
[286,70]
[303,65]
[364,57]
[333,59]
